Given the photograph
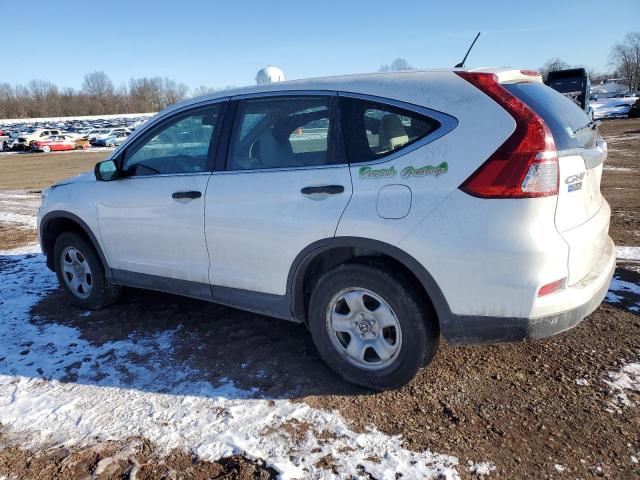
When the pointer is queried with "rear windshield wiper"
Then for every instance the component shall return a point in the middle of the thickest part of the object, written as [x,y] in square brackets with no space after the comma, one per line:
[592,124]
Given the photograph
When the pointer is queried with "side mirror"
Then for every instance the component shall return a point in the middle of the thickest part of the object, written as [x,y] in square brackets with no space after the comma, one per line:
[106,171]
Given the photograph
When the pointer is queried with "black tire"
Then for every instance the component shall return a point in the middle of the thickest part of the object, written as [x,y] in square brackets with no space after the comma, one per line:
[420,331]
[102,292]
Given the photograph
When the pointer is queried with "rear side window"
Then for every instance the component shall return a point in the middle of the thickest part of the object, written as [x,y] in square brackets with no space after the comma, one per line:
[281,132]
[373,130]
[562,115]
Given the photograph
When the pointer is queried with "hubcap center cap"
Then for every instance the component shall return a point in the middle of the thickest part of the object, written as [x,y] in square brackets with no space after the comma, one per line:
[364,326]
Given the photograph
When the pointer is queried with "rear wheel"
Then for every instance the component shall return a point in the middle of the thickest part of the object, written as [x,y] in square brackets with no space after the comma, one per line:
[371,326]
[46,149]
[81,274]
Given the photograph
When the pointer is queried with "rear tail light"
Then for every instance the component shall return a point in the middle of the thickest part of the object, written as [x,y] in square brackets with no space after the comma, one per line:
[550,288]
[526,164]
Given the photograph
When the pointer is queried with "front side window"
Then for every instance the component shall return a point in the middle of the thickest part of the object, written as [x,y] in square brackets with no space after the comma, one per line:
[180,145]
[281,132]
[373,130]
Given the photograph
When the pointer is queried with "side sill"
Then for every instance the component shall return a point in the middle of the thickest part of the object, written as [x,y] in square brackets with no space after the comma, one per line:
[278,306]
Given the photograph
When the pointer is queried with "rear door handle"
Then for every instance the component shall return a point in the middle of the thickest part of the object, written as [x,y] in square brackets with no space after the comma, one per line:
[190,194]
[326,189]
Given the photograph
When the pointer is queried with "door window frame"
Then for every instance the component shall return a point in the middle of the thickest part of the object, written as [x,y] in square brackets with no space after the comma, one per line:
[335,142]
[145,134]
[447,124]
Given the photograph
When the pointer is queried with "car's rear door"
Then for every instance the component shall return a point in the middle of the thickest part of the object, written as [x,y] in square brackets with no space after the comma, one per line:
[283,185]
[582,214]
[152,220]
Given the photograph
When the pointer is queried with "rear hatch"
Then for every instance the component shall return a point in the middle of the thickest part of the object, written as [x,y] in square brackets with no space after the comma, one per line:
[580,217]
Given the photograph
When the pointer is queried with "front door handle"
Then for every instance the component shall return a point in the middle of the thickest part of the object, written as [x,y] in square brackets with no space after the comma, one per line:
[326,189]
[190,194]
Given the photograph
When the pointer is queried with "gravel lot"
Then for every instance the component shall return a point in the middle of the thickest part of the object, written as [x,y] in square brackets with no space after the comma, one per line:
[565,407]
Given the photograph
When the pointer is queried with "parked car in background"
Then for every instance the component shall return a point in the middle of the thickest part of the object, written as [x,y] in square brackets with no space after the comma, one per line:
[81,143]
[613,107]
[8,144]
[111,141]
[634,111]
[91,133]
[54,143]
[378,209]
[24,140]
[106,133]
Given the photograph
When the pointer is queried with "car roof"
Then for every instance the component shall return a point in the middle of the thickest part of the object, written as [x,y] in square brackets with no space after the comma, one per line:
[355,83]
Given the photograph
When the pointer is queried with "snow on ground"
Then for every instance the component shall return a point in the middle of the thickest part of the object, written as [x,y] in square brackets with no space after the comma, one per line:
[619,291]
[623,382]
[19,207]
[618,169]
[56,387]
[628,253]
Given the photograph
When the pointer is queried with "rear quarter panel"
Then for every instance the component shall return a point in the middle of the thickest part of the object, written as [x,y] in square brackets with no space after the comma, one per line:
[482,127]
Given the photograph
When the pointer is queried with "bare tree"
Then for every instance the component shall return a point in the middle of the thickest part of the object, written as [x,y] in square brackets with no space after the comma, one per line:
[625,58]
[97,84]
[551,65]
[146,93]
[173,92]
[397,65]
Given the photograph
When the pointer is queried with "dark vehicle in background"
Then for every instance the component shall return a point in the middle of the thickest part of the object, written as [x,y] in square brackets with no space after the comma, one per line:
[573,83]
[634,111]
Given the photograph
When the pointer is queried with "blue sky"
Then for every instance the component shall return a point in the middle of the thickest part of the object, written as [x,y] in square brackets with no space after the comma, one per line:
[225,43]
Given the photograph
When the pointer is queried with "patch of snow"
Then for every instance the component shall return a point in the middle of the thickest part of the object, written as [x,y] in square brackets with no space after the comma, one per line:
[480,468]
[628,253]
[618,285]
[618,169]
[623,382]
[19,207]
[560,468]
[56,387]
[620,290]
[634,459]
[583,382]
[23,220]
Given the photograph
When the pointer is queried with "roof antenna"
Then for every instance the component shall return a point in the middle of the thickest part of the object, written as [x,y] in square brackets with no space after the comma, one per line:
[461,64]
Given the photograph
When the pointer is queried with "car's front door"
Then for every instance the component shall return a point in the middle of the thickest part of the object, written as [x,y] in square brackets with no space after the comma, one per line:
[152,220]
[285,185]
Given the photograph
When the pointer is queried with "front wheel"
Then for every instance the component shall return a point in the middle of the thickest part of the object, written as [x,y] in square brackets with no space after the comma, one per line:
[371,326]
[46,149]
[81,274]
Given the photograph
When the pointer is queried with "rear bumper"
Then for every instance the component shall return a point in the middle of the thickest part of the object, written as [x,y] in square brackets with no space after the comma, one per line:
[469,330]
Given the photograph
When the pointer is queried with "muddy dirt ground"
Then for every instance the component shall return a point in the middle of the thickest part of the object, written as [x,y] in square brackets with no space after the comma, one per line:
[525,407]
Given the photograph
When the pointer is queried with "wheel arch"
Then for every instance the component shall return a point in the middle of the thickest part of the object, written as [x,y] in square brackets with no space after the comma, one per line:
[328,253]
[56,222]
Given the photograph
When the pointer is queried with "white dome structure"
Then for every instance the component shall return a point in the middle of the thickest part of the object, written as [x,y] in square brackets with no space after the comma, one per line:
[269,74]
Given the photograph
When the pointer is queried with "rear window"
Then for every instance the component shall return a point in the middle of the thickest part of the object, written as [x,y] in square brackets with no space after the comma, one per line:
[562,115]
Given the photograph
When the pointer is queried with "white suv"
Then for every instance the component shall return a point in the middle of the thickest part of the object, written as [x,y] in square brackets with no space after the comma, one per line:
[382,210]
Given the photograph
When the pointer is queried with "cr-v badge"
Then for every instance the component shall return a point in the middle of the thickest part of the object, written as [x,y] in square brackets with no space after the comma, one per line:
[574,182]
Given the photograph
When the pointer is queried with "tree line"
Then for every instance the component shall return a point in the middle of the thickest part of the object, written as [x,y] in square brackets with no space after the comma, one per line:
[98,96]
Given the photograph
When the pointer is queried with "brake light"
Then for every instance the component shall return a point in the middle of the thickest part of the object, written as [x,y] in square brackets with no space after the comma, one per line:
[530,73]
[549,288]
[526,164]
